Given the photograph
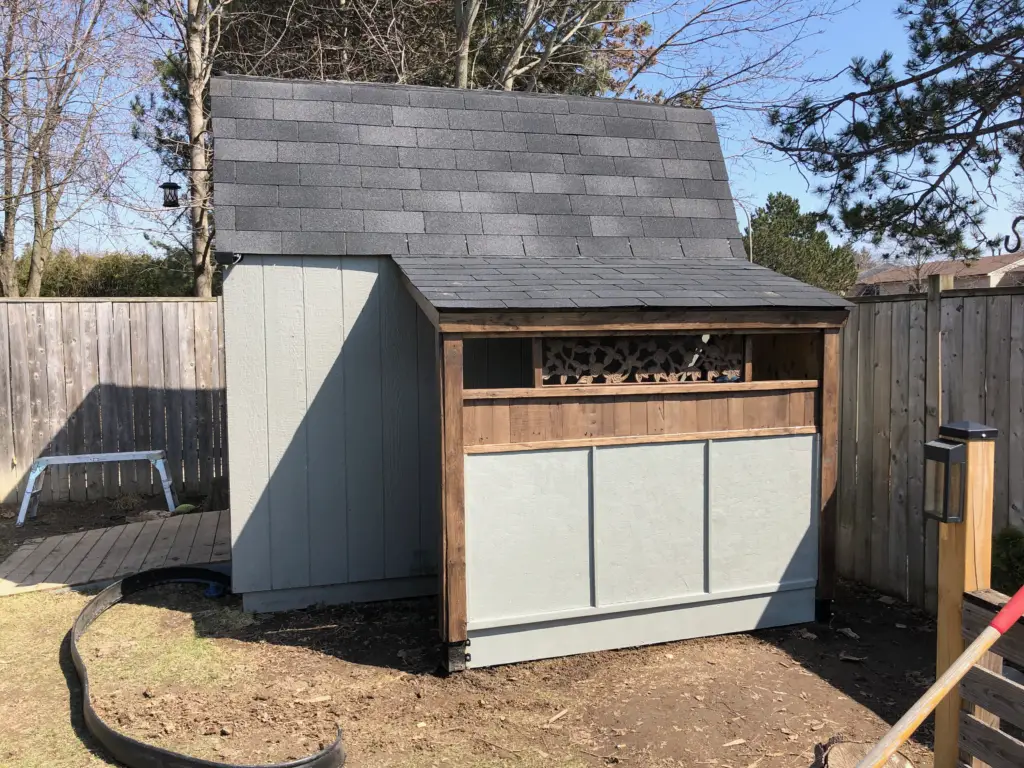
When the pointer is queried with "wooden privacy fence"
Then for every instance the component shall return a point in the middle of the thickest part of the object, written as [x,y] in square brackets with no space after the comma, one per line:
[910,363]
[103,375]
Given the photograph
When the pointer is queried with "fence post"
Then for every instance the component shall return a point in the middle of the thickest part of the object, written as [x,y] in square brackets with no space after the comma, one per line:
[965,565]
[933,416]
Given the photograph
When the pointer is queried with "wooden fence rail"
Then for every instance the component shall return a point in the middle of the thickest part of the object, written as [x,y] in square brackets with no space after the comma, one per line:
[997,699]
[89,376]
[909,364]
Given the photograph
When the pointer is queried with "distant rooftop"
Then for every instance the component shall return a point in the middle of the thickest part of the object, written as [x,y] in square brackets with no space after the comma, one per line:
[977,268]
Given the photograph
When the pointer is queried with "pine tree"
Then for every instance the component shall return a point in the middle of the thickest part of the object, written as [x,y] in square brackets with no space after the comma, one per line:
[910,160]
[791,243]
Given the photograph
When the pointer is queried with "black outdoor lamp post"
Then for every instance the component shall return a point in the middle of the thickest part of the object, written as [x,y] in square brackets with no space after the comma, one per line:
[170,194]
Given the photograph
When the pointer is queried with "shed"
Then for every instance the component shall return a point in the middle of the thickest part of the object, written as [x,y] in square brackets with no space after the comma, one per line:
[512,341]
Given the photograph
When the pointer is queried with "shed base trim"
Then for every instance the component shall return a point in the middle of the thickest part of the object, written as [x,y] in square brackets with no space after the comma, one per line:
[507,645]
[338,594]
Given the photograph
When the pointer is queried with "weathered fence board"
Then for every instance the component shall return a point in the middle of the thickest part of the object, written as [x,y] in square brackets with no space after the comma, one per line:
[110,375]
[916,363]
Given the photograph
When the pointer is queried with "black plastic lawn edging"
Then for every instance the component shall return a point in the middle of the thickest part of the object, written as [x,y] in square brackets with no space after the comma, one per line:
[136,754]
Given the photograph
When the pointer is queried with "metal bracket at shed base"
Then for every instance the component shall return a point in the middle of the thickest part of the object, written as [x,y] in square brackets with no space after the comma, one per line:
[823,610]
[456,657]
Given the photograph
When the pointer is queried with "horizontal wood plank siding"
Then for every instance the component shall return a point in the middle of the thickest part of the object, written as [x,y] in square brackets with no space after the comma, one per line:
[551,419]
[77,376]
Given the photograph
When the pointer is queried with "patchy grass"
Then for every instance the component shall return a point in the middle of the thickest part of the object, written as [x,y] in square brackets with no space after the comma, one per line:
[200,676]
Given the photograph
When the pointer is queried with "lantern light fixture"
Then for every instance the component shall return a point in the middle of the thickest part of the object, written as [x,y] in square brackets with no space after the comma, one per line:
[945,463]
[170,194]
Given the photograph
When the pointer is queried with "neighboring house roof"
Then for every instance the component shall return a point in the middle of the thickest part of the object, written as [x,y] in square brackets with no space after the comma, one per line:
[657,282]
[977,268]
[492,179]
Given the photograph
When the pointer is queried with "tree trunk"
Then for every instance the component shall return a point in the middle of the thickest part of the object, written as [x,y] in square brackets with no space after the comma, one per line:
[198,175]
[465,16]
[8,277]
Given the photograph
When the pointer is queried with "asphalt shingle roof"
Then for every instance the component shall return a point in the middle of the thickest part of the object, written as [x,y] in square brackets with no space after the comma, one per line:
[489,198]
[601,282]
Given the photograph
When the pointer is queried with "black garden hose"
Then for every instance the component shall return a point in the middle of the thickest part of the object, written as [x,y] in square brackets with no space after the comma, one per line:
[137,754]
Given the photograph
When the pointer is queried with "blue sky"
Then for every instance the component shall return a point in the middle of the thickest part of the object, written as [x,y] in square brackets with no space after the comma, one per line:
[866,29]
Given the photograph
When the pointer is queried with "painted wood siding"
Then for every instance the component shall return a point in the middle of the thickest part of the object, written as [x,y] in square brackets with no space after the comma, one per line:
[600,547]
[332,418]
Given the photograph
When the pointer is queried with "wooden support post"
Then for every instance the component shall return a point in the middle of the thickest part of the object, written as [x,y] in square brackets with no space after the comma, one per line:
[453,523]
[829,474]
[537,361]
[965,565]
[933,417]
[748,357]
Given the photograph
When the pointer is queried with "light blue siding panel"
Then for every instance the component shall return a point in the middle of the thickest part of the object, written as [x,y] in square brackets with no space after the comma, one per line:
[287,424]
[527,532]
[763,511]
[430,443]
[649,521]
[325,418]
[364,460]
[247,426]
[400,424]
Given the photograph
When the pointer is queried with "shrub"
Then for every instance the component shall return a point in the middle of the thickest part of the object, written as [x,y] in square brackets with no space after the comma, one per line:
[1008,561]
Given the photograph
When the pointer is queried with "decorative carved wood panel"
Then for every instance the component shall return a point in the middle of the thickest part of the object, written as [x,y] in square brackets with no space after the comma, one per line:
[642,359]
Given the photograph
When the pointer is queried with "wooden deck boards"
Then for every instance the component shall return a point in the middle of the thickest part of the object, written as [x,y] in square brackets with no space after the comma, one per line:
[84,557]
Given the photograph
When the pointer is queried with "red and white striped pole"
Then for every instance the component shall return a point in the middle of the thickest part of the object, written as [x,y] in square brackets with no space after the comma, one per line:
[899,733]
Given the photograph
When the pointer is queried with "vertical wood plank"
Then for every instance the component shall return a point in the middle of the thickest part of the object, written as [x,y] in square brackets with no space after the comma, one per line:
[121,357]
[951,406]
[206,364]
[88,315]
[76,395]
[189,415]
[881,384]
[107,397]
[936,410]
[155,379]
[916,412]
[997,398]
[748,358]
[141,419]
[245,332]
[453,494]
[364,444]
[537,361]
[1015,446]
[829,466]
[39,404]
[172,394]
[429,417]
[656,416]
[286,424]
[400,426]
[899,425]
[325,394]
[56,393]
[972,390]
[846,546]
[8,454]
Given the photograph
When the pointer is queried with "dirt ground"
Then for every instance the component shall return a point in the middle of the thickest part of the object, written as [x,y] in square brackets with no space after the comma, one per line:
[198,675]
[72,516]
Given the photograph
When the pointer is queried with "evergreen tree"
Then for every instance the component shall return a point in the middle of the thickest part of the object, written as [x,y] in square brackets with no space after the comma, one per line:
[791,243]
[909,158]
